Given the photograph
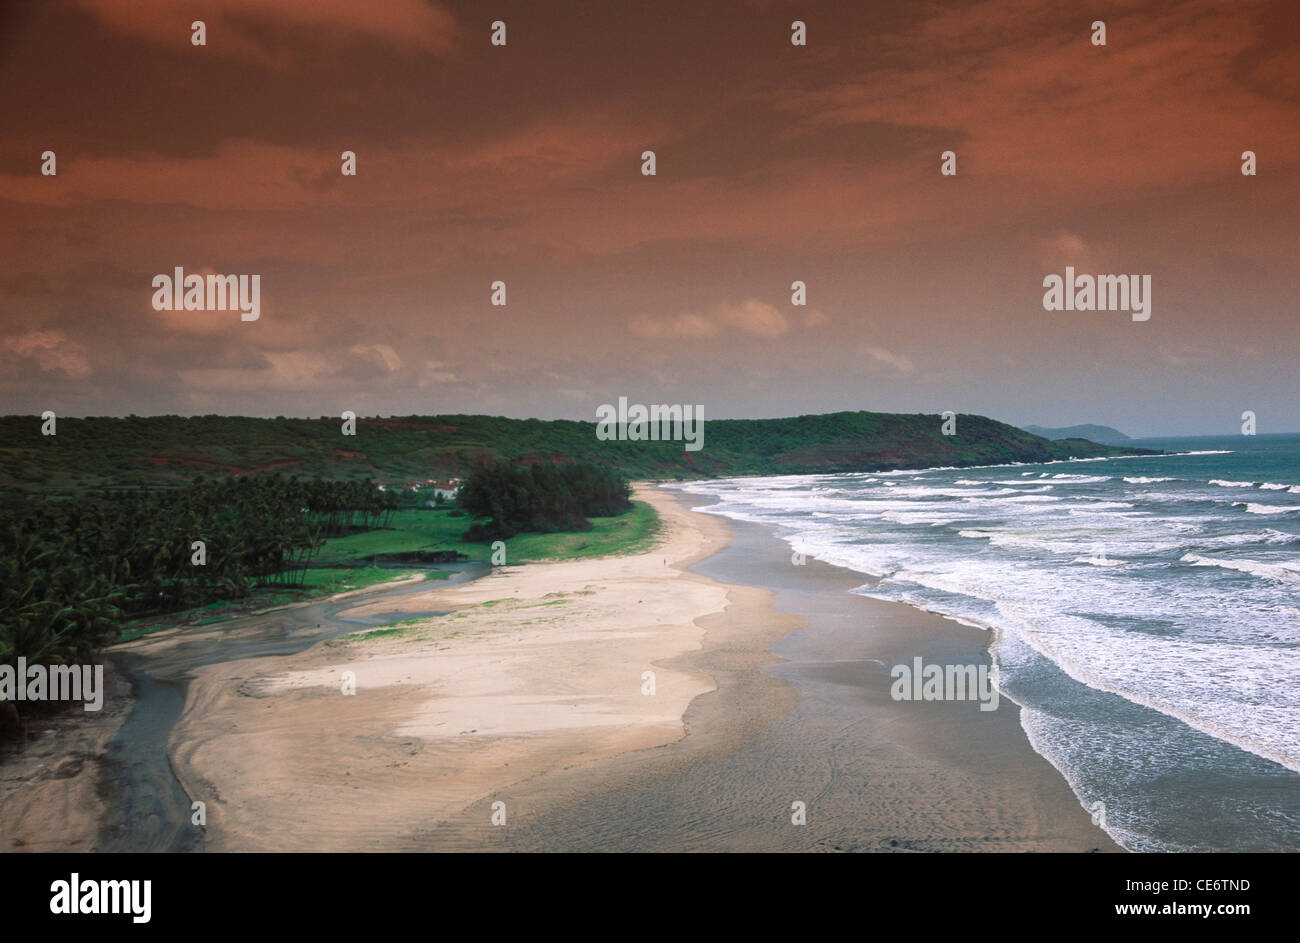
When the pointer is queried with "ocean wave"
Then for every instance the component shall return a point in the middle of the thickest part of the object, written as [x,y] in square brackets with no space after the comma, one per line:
[1018,499]
[1022,541]
[916,517]
[1231,484]
[1134,591]
[1287,571]
[1163,673]
[1266,536]
[937,491]
[1266,508]
[1099,561]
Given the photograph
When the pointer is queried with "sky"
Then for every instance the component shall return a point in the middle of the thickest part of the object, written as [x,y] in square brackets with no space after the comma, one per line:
[775,163]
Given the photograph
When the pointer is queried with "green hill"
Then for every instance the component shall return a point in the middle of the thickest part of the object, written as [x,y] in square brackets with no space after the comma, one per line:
[168,449]
[1094,433]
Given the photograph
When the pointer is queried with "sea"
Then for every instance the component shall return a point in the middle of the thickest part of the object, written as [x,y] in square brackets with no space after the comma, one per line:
[1143,611]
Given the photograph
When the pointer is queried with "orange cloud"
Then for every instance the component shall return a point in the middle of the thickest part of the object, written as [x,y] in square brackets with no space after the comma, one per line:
[50,351]
[751,316]
[236,28]
[900,362]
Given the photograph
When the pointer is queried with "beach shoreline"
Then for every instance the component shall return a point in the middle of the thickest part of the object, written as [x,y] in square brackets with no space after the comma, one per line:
[816,725]
[528,698]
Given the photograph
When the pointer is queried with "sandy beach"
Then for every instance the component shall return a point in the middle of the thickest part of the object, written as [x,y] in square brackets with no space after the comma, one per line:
[817,726]
[532,669]
[528,696]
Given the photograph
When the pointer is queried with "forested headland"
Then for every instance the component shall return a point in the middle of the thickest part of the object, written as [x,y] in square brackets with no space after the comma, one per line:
[398,450]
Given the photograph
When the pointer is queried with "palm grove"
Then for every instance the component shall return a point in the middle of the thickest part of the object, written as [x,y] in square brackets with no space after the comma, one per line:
[73,569]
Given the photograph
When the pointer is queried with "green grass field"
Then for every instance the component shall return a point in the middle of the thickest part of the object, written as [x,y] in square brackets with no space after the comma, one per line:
[325,581]
[341,562]
[439,530]
[317,582]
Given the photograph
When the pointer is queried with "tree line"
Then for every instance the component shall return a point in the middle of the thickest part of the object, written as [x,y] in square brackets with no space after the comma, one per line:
[72,569]
[539,498]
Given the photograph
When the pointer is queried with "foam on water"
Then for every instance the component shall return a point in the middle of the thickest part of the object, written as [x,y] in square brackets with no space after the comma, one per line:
[1168,601]
[1252,508]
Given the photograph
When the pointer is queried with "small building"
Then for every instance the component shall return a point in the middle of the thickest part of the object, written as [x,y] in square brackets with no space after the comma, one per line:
[439,490]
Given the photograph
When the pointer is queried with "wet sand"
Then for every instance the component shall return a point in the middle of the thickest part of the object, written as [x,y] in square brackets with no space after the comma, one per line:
[818,728]
[50,797]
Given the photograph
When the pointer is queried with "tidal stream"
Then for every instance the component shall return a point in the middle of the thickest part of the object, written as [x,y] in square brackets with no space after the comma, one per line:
[148,809]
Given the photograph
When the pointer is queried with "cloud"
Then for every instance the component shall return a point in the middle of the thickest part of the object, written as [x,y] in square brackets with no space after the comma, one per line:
[815,317]
[1020,93]
[1184,357]
[507,177]
[297,371]
[748,317]
[255,175]
[50,351]
[1064,247]
[237,28]
[900,362]
[381,355]
[683,325]
[434,373]
[277,371]
[754,317]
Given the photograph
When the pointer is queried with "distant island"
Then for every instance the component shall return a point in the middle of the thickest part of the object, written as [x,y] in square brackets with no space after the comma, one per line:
[1094,433]
[162,451]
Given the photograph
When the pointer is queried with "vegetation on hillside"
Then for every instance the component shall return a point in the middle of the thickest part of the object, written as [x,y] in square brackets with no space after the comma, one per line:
[397,451]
